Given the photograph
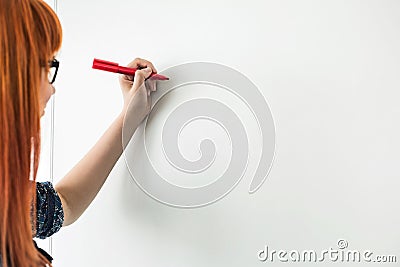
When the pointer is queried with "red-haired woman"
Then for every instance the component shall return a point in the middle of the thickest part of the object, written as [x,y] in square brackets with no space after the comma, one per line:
[30,36]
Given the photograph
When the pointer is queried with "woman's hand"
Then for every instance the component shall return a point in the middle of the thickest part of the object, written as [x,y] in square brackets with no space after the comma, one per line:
[136,90]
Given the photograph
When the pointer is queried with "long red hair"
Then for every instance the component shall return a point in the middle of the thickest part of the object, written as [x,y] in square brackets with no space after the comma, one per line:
[30,34]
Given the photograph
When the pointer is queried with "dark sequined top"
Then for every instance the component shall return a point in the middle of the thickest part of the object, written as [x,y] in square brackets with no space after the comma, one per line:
[50,214]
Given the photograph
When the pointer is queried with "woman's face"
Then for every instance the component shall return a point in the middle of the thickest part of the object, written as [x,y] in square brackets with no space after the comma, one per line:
[46,90]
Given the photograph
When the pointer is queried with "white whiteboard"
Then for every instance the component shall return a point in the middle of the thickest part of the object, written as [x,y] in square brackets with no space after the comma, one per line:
[329,72]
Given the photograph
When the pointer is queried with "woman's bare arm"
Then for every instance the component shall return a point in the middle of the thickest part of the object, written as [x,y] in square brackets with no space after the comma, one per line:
[79,187]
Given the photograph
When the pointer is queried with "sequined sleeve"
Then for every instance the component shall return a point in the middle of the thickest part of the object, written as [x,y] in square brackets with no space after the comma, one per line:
[50,214]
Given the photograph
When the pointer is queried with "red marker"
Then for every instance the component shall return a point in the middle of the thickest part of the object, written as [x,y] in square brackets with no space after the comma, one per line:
[114,67]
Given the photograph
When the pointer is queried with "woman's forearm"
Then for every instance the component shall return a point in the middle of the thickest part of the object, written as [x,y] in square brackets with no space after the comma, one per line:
[78,188]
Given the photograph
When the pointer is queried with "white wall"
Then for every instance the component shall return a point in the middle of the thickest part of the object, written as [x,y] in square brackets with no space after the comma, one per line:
[329,72]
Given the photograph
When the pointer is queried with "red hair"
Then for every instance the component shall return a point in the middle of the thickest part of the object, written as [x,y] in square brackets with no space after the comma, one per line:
[30,34]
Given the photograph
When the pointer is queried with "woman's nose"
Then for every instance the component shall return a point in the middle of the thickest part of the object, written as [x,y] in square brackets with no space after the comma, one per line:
[53,90]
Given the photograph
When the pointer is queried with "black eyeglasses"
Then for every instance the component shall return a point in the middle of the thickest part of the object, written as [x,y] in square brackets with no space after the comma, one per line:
[53,64]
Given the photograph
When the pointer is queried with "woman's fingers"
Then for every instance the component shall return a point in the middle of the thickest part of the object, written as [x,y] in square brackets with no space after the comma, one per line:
[141,63]
[151,84]
[138,63]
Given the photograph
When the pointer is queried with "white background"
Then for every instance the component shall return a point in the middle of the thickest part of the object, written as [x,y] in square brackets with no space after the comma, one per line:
[330,73]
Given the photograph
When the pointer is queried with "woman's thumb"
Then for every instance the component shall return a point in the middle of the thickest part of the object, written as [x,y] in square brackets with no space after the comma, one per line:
[141,75]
